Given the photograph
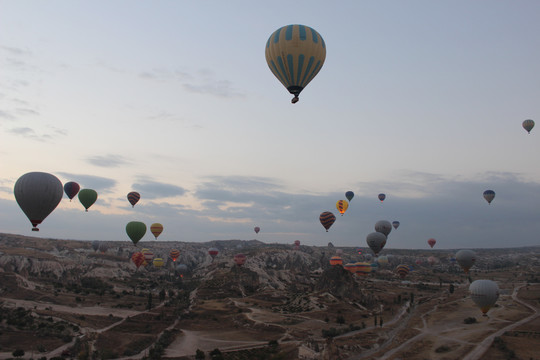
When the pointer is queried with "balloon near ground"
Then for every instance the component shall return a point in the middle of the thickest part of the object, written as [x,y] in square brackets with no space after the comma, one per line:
[528,125]
[38,194]
[213,252]
[484,293]
[133,197]
[239,259]
[466,259]
[489,195]
[336,260]
[327,219]
[87,197]
[376,241]
[138,259]
[174,254]
[295,54]
[71,189]
[135,230]
[402,270]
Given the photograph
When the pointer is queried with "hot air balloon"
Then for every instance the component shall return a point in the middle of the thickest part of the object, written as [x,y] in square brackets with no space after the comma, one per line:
[133,197]
[156,229]
[296,244]
[138,259]
[395,224]
[336,260]
[327,219]
[174,254]
[239,259]
[87,197]
[95,245]
[158,262]
[382,197]
[363,268]
[135,230]
[295,54]
[342,206]
[418,261]
[384,227]
[489,195]
[182,269]
[359,251]
[349,195]
[528,125]
[382,260]
[432,242]
[484,293]
[257,229]
[213,252]
[376,241]
[38,194]
[148,256]
[465,259]
[103,247]
[71,189]
[351,267]
[432,260]
[402,270]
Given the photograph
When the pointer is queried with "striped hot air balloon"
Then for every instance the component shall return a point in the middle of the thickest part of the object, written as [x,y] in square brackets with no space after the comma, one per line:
[138,259]
[327,219]
[336,260]
[156,229]
[133,197]
[363,268]
[342,206]
[239,259]
[174,254]
[295,54]
[402,270]
[351,267]
[158,262]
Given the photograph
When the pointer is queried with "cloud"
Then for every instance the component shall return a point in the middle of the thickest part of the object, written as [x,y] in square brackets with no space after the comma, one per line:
[203,82]
[6,115]
[154,190]
[15,51]
[108,161]
[100,184]
[31,134]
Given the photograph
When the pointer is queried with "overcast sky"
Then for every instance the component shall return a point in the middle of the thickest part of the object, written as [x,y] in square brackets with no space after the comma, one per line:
[421,100]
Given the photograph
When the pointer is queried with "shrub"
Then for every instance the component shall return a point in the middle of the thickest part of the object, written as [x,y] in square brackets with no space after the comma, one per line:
[469,320]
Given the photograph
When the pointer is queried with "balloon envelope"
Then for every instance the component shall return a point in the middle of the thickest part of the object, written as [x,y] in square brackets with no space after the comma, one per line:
[349,195]
[402,270]
[133,197]
[257,229]
[38,194]
[156,229]
[395,224]
[71,189]
[384,227]
[336,260]
[87,197]
[213,252]
[432,242]
[342,206]
[174,254]
[466,259]
[138,259]
[376,241]
[95,245]
[239,259]
[135,230]
[295,54]
[528,125]
[489,195]
[484,293]
[327,219]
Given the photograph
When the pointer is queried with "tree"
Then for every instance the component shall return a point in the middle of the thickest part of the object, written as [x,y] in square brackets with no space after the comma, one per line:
[18,353]
[380,322]
[451,288]
[199,355]
[149,304]
[162,295]
[216,354]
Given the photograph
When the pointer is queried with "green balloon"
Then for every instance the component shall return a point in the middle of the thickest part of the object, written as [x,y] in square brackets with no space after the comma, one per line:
[87,197]
[135,231]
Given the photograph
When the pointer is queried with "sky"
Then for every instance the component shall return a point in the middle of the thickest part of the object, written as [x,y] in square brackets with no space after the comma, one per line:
[421,100]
